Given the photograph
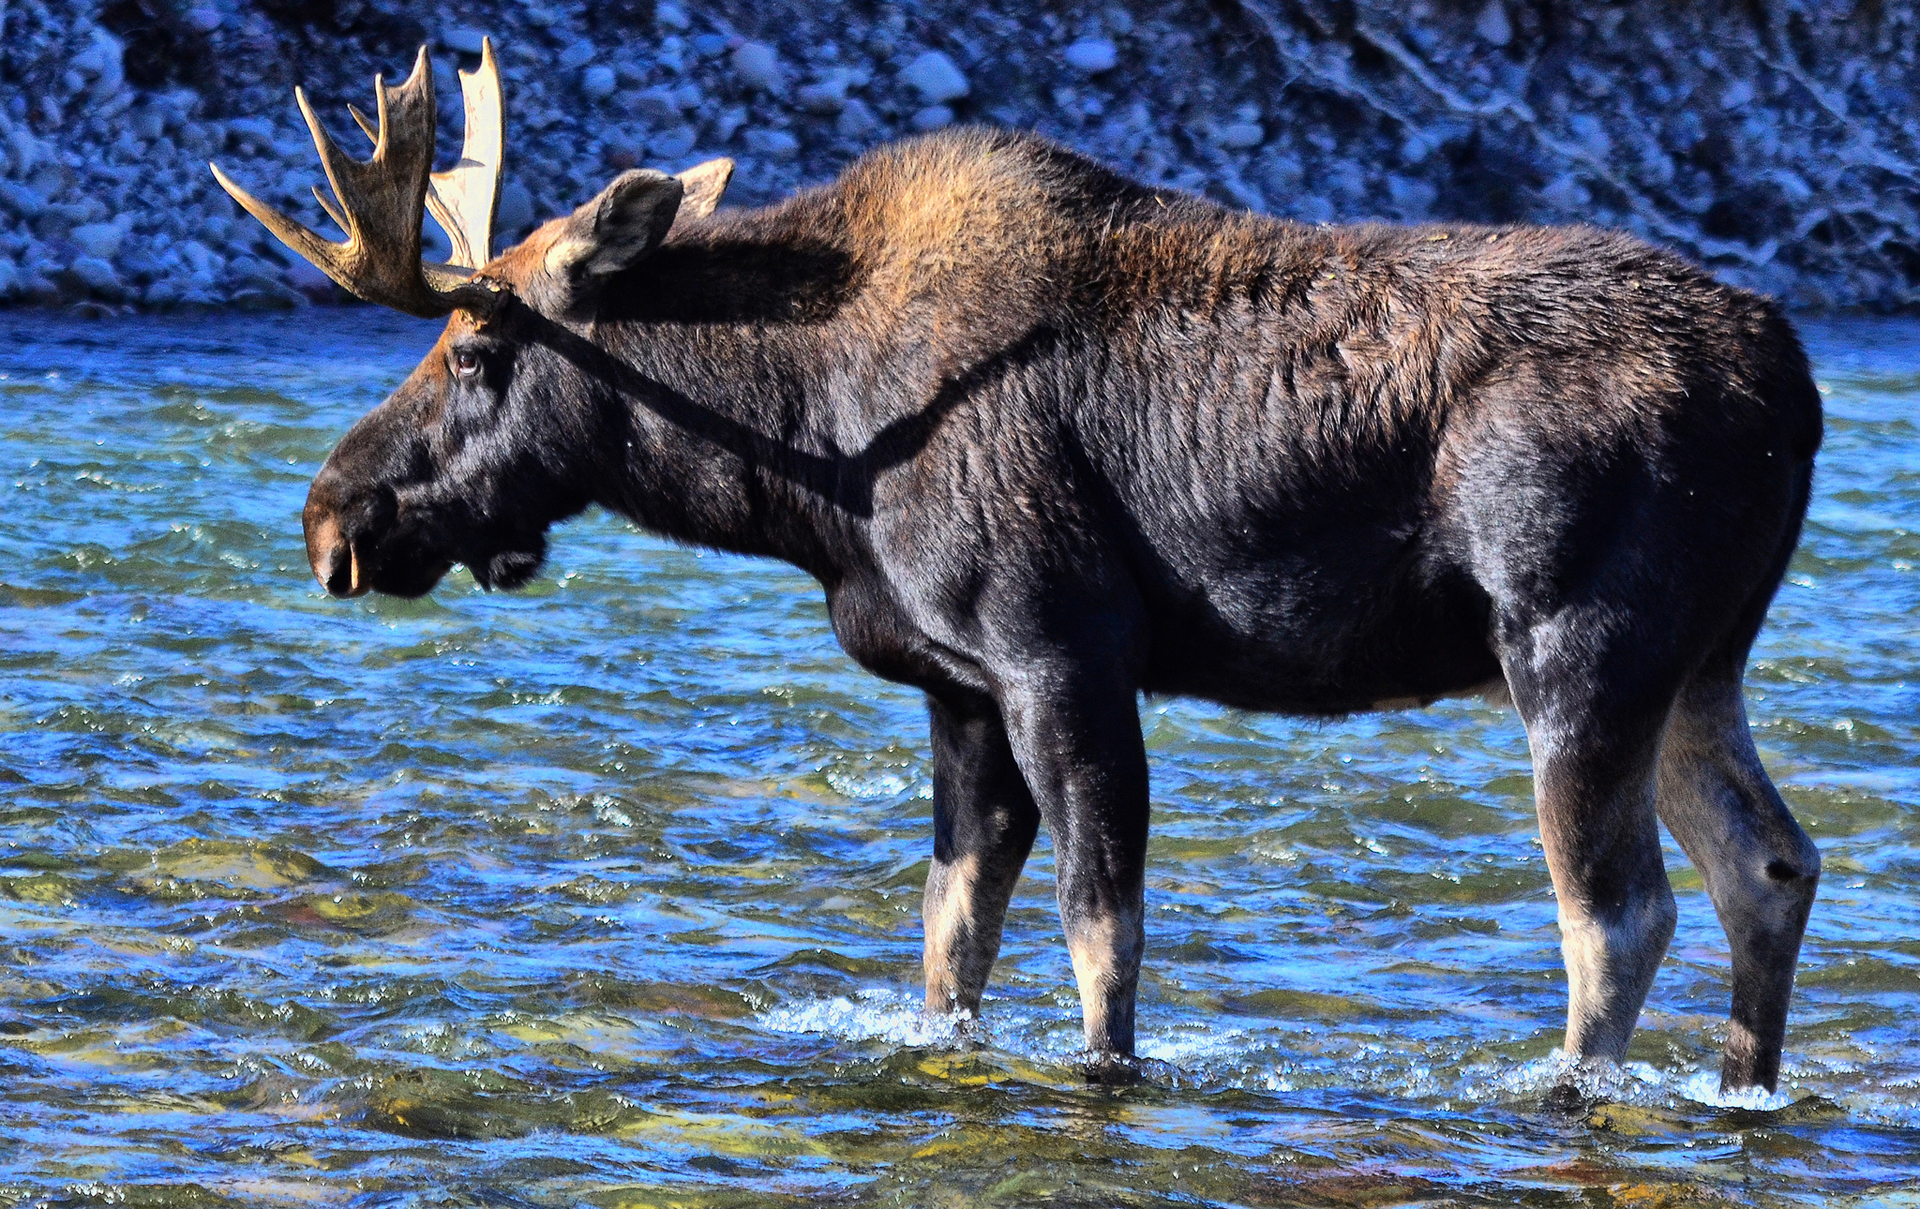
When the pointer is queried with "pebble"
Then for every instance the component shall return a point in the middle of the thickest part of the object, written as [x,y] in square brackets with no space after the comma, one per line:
[1092,55]
[933,117]
[1240,135]
[204,19]
[774,144]
[97,274]
[599,81]
[758,66]
[578,54]
[102,239]
[513,213]
[672,143]
[24,201]
[669,15]
[936,78]
[857,120]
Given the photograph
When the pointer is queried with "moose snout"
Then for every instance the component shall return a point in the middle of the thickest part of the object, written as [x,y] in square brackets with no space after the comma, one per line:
[340,536]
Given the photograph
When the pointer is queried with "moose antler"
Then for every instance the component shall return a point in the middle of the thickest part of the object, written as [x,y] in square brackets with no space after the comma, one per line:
[380,201]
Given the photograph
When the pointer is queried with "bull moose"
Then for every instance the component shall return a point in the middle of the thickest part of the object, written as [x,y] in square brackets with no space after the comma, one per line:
[1051,439]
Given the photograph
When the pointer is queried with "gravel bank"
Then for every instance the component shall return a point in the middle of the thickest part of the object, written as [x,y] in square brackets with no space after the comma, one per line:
[1778,144]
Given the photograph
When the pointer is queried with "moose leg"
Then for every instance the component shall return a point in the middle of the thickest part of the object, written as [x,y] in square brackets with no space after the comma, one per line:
[984,821]
[1076,733]
[1595,744]
[1760,868]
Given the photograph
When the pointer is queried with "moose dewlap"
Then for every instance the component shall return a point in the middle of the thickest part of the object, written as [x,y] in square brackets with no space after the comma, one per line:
[1050,439]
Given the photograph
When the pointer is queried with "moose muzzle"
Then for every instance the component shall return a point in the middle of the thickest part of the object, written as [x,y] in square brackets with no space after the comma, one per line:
[343,538]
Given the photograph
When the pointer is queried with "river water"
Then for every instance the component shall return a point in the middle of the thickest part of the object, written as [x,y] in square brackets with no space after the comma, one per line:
[606,893]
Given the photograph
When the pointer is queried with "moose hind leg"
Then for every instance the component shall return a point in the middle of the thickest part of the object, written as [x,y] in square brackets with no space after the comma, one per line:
[984,822]
[1759,867]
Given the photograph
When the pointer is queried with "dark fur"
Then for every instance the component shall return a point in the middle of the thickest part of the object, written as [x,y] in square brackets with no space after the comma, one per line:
[1050,439]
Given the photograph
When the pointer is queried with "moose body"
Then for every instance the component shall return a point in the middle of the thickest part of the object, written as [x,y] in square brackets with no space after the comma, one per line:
[1051,439]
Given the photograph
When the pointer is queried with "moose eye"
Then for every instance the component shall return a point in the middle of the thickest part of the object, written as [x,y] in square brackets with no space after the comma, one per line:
[466,364]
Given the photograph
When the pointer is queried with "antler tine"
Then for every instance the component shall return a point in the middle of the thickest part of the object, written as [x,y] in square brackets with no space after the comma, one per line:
[379,204]
[463,198]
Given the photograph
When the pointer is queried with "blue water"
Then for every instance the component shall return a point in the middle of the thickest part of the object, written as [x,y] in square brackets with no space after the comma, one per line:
[606,893]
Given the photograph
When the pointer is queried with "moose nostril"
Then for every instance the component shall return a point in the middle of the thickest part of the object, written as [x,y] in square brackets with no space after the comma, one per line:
[335,562]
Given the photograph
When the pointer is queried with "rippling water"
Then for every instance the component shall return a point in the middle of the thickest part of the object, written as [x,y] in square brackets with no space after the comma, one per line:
[606,893]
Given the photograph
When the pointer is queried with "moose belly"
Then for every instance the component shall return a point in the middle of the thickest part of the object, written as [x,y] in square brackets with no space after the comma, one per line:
[1321,645]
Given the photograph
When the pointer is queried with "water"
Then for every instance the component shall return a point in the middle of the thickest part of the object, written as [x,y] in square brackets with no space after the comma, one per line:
[606,893]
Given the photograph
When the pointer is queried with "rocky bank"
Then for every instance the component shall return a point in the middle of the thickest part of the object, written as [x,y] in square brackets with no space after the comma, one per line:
[1776,143]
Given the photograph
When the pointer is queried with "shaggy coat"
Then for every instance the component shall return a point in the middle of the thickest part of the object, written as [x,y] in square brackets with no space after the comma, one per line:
[1050,439]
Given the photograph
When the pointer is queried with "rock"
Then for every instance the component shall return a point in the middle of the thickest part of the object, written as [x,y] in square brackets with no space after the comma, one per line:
[204,18]
[936,78]
[826,95]
[672,143]
[103,62]
[9,277]
[729,120]
[773,144]
[22,201]
[933,117]
[708,46]
[514,212]
[463,39]
[101,240]
[1092,55]
[578,54]
[1240,135]
[96,275]
[655,104]
[1492,25]
[856,121]
[599,82]
[669,15]
[251,134]
[758,66]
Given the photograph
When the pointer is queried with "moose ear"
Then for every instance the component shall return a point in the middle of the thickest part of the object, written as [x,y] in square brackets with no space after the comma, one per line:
[614,230]
[704,184]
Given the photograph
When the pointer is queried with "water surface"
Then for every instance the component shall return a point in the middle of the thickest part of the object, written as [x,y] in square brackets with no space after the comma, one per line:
[606,893]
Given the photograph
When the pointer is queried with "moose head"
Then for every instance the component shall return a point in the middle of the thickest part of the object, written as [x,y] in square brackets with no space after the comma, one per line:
[488,441]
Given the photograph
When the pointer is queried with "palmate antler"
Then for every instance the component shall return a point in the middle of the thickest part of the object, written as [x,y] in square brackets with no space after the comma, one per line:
[380,201]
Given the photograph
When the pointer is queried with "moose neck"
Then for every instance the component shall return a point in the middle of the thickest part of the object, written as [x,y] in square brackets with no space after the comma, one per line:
[716,350]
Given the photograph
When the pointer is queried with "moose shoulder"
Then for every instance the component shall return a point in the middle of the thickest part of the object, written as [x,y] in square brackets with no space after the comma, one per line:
[1050,439]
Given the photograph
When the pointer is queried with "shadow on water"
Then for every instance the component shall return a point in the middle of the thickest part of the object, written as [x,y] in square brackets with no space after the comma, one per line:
[606,893]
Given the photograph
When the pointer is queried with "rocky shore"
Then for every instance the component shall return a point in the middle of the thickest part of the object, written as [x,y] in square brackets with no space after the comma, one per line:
[1777,143]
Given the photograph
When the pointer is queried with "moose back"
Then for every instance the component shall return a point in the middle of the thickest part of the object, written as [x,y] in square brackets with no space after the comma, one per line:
[1051,439]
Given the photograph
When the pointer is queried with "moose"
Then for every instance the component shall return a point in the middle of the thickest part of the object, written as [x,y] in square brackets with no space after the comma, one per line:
[1051,439]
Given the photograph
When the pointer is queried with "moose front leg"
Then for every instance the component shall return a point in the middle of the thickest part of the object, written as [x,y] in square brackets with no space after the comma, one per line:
[984,821]
[1077,737]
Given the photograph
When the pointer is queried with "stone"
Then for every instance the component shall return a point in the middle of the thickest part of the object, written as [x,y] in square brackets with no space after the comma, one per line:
[856,121]
[758,66]
[101,240]
[708,46]
[1240,135]
[936,78]
[97,275]
[672,143]
[463,39]
[204,18]
[933,117]
[669,15]
[773,144]
[251,134]
[514,211]
[309,281]
[599,82]
[1492,25]
[655,104]
[827,95]
[9,277]
[22,201]
[578,54]
[1092,55]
